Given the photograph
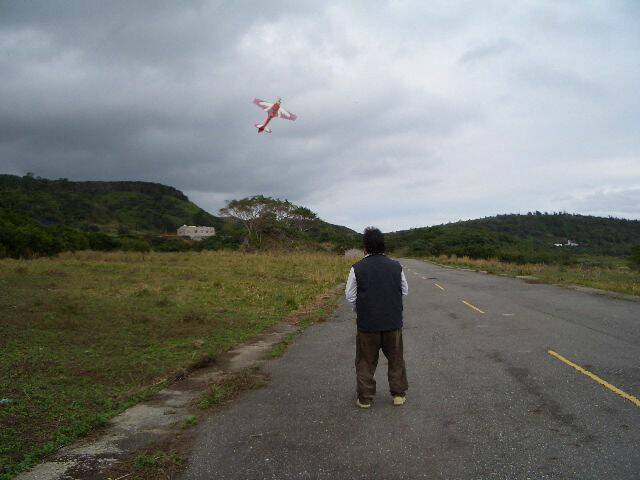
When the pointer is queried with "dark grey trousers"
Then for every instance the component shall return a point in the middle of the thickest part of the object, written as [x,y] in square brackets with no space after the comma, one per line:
[368,347]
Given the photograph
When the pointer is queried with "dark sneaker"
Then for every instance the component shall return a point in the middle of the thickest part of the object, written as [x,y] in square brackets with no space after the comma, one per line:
[363,404]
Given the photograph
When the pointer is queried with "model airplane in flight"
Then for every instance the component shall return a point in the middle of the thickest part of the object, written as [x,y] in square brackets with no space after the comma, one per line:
[273,110]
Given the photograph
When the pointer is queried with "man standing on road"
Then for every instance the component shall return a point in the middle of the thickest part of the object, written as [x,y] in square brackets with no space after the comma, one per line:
[375,287]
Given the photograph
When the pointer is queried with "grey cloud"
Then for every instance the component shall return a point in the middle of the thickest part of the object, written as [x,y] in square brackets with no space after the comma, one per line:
[622,202]
[540,76]
[488,50]
[397,124]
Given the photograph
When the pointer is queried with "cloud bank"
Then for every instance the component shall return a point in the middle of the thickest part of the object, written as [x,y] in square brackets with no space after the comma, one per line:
[410,113]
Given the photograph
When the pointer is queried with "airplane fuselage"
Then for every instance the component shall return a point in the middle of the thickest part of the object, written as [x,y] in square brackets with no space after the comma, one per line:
[271,114]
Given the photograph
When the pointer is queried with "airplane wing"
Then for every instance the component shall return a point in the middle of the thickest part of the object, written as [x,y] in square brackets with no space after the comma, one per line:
[262,104]
[282,113]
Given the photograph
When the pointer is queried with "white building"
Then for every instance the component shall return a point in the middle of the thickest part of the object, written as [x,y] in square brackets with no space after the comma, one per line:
[196,233]
[568,244]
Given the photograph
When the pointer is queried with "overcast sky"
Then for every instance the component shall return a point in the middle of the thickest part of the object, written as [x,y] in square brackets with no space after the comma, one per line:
[410,113]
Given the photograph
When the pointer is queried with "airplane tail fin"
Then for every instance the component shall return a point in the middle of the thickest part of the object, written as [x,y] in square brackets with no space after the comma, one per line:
[262,128]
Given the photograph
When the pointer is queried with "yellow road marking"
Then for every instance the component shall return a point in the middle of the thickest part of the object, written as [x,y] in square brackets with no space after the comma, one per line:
[441,288]
[471,306]
[596,378]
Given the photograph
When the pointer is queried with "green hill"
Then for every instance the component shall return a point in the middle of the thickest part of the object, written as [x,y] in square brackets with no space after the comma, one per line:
[528,237]
[111,207]
[40,216]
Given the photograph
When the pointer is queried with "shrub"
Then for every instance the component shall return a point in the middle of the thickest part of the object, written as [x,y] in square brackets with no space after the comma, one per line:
[102,241]
[33,240]
[217,243]
[418,246]
[135,245]
[71,239]
[634,260]
[170,245]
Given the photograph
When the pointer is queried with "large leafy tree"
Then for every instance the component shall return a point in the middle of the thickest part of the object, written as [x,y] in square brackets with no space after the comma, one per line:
[259,214]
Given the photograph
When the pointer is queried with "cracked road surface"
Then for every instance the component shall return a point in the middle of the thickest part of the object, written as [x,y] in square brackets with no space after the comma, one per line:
[486,400]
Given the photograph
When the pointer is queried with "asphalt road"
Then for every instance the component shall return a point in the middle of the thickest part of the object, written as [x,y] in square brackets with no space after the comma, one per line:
[486,400]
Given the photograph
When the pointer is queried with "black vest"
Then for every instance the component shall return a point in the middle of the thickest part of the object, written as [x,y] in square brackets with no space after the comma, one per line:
[379,300]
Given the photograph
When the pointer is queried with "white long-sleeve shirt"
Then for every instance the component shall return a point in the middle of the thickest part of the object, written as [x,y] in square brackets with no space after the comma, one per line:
[351,290]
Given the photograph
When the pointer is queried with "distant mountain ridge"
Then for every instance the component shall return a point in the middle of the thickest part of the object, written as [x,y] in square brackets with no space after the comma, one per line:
[535,231]
[106,206]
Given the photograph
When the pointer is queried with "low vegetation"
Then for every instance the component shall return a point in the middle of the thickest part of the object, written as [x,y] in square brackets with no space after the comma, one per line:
[160,462]
[230,386]
[279,349]
[84,335]
[606,273]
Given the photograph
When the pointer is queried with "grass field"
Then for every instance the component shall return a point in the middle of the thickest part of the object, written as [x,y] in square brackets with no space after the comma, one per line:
[606,273]
[84,335]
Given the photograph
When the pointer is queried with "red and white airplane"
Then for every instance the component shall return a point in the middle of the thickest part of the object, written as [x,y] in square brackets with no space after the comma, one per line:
[273,110]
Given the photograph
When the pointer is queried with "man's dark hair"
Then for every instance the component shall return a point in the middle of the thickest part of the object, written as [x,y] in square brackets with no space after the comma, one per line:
[373,241]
